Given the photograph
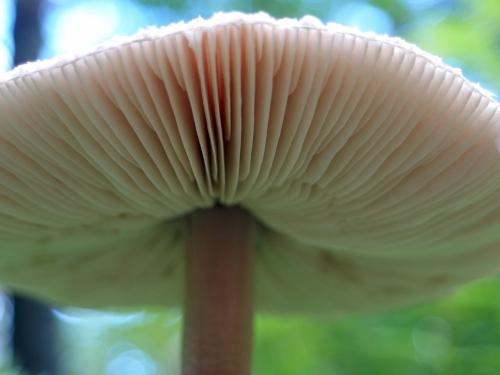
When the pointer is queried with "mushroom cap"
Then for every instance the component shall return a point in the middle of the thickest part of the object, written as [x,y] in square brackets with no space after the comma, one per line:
[372,168]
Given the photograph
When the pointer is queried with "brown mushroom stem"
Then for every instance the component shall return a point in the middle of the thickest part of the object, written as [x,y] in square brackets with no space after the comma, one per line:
[218,309]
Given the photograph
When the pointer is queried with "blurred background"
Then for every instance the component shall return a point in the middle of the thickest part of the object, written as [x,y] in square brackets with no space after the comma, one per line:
[459,335]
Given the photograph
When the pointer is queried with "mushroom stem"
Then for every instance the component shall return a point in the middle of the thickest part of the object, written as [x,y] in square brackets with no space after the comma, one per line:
[218,309]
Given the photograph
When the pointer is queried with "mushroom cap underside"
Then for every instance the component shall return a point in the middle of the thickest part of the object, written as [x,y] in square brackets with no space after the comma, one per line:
[371,167]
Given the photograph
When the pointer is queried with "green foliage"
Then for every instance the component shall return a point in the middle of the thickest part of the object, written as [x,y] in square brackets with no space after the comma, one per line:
[456,336]
[172,4]
[467,34]
[396,9]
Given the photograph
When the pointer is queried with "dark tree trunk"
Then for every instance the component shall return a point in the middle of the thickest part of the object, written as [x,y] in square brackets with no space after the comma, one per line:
[34,333]
[27,30]
[34,337]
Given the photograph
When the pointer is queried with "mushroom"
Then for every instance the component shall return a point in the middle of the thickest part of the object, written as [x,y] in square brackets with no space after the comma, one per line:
[243,163]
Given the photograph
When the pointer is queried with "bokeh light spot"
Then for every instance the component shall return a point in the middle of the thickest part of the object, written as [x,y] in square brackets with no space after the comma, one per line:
[5,37]
[432,339]
[365,17]
[131,362]
[84,25]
